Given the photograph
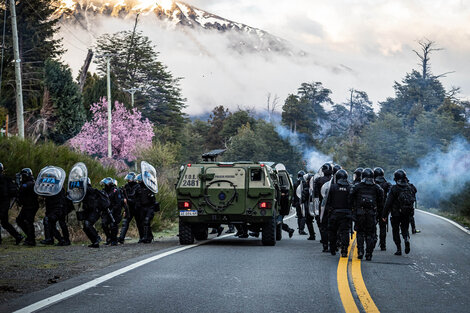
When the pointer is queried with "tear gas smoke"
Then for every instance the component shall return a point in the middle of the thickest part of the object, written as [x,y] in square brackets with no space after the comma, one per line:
[313,158]
[442,174]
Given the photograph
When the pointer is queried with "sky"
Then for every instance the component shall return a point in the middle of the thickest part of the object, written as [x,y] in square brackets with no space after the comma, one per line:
[372,38]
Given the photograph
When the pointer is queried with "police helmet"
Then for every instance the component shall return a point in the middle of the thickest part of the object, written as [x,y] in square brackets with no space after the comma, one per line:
[130,177]
[115,182]
[378,171]
[138,178]
[88,181]
[327,169]
[1,168]
[400,177]
[26,174]
[367,176]
[341,177]
[107,181]
[300,174]
[358,174]
[336,168]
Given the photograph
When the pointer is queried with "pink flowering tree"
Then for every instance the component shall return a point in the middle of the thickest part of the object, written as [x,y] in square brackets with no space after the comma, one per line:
[129,132]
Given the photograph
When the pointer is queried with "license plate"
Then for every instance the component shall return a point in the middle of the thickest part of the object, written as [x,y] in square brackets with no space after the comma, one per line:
[188,213]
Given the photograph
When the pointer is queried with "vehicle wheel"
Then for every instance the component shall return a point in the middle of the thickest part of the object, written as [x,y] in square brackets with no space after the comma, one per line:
[278,232]
[186,234]
[269,233]
[201,232]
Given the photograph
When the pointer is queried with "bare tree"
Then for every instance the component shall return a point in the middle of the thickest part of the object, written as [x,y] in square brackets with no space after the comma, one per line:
[271,105]
[427,47]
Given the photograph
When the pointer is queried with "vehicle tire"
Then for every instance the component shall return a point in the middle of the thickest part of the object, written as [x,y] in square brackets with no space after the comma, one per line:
[201,232]
[278,232]
[269,233]
[186,234]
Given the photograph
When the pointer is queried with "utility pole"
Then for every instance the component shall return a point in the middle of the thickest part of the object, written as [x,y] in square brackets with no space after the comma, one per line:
[132,91]
[19,89]
[108,77]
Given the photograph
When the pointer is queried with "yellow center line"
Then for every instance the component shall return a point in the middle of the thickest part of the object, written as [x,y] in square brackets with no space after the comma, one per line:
[343,284]
[360,287]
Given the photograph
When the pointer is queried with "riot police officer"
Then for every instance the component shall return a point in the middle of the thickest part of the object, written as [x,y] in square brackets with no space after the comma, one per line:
[400,202]
[130,210]
[322,219]
[379,178]
[93,204]
[307,195]
[297,204]
[357,175]
[366,198]
[147,206]
[56,212]
[111,216]
[7,191]
[339,212]
[28,200]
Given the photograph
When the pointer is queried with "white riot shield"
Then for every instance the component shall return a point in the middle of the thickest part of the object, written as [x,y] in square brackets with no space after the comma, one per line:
[76,188]
[50,181]
[298,193]
[280,167]
[149,176]
[325,191]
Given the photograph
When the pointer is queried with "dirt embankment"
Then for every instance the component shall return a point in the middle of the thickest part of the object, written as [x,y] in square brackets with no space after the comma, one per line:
[27,269]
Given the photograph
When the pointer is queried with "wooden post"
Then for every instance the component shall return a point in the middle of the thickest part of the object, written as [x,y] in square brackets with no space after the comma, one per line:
[6,127]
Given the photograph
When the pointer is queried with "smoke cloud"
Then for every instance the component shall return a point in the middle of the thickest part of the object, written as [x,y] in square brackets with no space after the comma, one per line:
[313,158]
[442,174]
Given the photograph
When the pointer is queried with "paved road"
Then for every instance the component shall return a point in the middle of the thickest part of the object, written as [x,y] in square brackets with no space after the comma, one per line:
[241,275]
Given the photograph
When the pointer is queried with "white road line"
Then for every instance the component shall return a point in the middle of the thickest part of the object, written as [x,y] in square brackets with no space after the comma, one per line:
[93,283]
[447,220]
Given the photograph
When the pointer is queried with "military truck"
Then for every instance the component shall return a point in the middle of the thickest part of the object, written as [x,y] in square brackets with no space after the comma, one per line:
[212,193]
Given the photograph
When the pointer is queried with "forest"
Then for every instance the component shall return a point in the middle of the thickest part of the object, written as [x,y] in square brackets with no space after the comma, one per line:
[423,128]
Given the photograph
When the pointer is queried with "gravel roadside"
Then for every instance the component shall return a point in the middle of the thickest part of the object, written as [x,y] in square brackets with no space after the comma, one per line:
[27,269]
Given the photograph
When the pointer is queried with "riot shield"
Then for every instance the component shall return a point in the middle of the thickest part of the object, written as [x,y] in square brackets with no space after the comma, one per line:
[50,181]
[325,190]
[298,193]
[149,176]
[280,167]
[77,185]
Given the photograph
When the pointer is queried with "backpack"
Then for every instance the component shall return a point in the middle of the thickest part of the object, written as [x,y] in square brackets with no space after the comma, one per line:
[406,199]
[103,200]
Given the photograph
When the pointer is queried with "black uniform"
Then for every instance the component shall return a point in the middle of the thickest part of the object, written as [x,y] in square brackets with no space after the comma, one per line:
[147,207]
[385,185]
[366,199]
[339,216]
[92,206]
[297,204]
[323,223]
[56,211]
[7,190]
[129,192]
[111,217]
[401,212]
[308,218]
[28,200]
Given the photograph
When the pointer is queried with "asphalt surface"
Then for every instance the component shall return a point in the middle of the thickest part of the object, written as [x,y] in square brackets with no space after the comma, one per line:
[241,275]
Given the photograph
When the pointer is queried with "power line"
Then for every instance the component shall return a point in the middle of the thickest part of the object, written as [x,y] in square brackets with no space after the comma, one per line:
[69,30]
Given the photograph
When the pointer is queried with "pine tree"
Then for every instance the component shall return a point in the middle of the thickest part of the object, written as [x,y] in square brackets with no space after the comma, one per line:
[67,102]
[37,26]
[135,64]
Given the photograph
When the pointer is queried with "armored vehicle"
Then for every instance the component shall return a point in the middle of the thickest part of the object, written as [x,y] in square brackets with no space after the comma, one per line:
[212,193]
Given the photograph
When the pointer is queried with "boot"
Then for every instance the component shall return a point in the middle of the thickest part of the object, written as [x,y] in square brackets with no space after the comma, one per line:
[301,223]
[325,248]
[291,233]
[344,253]
[368,256]
[18,239]
[360,254]
[407,247]
[311,231]
[398,250]
[213,231]
[254,234]
[220,229]
[383,247]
